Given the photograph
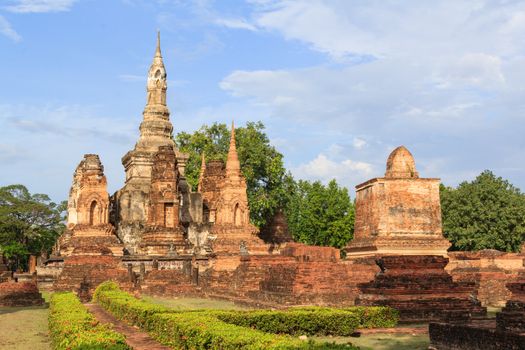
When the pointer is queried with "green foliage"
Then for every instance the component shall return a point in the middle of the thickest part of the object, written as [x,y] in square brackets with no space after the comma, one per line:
[317,214]
[317,322]
[196,329]
[261,163]
[487,213]
[369,316]
[29,223]
[320,215]
[72,327]
[124,306]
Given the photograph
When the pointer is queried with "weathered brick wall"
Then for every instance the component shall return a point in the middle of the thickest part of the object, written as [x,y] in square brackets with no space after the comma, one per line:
[83,273]
[20,294]
[421,289]
[299,275]
[473,337]
[489,270]
[168,283]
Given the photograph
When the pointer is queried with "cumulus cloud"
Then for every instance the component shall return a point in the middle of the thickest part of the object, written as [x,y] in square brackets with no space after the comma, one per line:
[40,6]
[443,78]
[347,171]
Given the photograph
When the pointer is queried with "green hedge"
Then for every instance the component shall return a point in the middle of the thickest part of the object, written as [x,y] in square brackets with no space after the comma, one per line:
[72,327]
[322,322]
[369,316]
[124,306]
[195,330]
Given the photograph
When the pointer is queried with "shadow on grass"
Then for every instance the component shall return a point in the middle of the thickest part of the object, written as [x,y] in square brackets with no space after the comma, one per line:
[384,341]
[8,310]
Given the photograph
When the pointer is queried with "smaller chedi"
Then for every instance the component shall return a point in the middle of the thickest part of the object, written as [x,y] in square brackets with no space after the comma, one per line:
[88,227]
[399,213]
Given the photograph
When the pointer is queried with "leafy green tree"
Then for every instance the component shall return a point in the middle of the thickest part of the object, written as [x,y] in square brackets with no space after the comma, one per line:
[487,213]
[261,164]
[320,215]
[29,223]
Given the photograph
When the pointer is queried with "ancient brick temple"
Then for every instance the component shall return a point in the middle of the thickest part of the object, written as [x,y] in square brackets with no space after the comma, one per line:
[155,221]
[156,235]
[398,224]
[399,213]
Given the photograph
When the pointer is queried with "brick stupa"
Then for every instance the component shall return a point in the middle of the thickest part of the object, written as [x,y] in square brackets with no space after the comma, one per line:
[399,213]
[226,205]
[398,224]
[90,246]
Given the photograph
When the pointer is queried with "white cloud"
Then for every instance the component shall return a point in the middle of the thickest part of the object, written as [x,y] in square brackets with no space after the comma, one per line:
[235,23]
[347,172]
[8,31]
[358,143]
[40,6]
[408,29]
[473,69]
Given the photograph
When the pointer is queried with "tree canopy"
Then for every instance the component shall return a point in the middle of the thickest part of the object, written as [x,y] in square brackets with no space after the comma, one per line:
[29,223]
[261,164]
[487,213]
[320,215]
[317,214]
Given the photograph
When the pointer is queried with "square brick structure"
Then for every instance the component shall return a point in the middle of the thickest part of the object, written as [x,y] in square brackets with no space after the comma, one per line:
[398,224]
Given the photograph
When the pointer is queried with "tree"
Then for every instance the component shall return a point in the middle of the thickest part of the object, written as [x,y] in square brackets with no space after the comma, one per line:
[487,213]
[320,215]
[29,223]
[261,164]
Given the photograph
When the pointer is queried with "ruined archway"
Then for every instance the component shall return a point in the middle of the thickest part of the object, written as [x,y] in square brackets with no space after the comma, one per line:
[237,215]
[94,213]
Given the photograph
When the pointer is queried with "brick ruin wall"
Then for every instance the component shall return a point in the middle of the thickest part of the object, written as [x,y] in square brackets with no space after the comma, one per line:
[489,270]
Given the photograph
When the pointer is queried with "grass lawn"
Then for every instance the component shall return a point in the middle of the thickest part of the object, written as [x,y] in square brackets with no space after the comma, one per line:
[23,328]
[194,303]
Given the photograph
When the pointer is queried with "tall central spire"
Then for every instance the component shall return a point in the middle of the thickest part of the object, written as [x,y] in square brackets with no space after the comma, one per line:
[156,128]
[157,82]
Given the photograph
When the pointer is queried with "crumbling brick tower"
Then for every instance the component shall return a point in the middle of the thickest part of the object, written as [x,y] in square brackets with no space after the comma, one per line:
[132,202]
[399,213]
[398,224]
[163,234]
[90,247]
[226,205]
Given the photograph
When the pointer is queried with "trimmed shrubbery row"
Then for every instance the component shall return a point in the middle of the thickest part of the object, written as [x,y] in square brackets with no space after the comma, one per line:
[369,316]
[297,322]
[73,327]
[194,330]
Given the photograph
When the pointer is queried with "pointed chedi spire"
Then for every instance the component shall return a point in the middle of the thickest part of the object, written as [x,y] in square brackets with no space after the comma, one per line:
[233,166]
[157,50]
[201,175]
[157,82]
[156,128]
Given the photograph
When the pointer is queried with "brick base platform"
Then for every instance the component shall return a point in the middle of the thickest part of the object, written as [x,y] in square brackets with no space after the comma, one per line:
[20,294]
[420,288]
[507,332]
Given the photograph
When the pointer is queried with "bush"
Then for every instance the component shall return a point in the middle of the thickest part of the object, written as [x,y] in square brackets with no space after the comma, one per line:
[318,322]
[369,316]
[195,330]
[200,331]
[72,327]
[124,306]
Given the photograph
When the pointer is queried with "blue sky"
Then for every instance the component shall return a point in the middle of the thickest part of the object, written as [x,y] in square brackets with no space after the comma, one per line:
[337,83]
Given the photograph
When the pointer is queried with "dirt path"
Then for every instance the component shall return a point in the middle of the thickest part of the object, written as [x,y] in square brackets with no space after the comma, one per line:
[135,337]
